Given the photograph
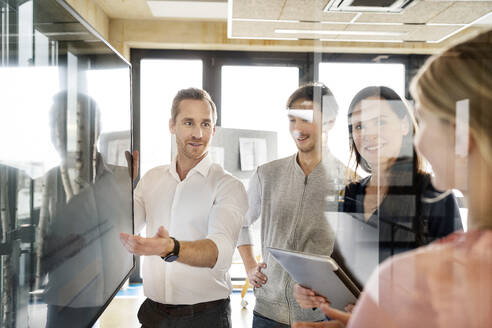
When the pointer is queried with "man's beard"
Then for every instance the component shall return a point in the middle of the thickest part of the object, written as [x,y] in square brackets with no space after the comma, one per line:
[194,154]
[307,148]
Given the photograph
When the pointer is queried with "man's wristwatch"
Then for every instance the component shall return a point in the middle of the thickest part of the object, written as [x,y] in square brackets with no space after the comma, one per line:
[173,256]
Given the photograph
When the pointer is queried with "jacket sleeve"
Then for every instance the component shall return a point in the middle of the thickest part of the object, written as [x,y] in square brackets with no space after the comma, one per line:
[254,210]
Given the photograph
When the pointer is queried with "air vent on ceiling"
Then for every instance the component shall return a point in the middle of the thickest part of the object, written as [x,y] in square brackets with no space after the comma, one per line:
[386,6]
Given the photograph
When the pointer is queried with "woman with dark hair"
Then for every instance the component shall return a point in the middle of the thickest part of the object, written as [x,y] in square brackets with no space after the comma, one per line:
[391,201]
[392,198]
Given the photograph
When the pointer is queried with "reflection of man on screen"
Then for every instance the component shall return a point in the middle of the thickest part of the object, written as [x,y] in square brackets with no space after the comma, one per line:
[81,261]
[202,207]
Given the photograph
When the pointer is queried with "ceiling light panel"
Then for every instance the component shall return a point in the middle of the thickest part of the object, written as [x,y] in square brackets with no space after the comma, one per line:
[362,40]
[189,9]
[410,32]
[344,33]
[267,29]
[370,32]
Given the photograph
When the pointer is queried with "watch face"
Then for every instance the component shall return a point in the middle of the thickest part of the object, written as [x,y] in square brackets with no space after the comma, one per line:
[171,258]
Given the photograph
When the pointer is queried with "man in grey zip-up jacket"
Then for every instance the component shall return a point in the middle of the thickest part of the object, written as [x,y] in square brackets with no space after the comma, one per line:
[291,196]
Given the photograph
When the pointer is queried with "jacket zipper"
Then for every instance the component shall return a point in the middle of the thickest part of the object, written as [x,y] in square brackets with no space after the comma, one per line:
[295,244]
[301,206]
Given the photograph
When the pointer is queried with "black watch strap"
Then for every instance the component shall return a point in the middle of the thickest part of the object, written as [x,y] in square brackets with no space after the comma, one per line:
[173,256]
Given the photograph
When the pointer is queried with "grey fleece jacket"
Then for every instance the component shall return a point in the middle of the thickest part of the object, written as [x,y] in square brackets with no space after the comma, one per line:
[291,206]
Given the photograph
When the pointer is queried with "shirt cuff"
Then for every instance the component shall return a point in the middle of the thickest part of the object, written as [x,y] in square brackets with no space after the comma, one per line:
[225,252]
[245,237]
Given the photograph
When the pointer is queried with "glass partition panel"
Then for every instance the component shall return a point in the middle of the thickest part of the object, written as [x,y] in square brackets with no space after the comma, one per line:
[254,97]
[334,169]
[160,80]
[66,191]
[345,80]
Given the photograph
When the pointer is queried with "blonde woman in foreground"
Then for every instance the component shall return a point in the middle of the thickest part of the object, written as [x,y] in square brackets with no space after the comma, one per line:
[448,283]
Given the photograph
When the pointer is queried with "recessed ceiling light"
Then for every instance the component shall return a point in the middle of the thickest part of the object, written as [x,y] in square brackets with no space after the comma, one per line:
[262,38]
[325,32]
[265,20]
[188,9]
[349,40]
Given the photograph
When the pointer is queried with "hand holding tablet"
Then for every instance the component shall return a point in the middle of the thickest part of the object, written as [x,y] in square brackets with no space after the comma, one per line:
[319,273]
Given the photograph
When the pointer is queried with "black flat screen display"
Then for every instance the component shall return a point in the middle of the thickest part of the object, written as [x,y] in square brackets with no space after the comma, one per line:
[66,187]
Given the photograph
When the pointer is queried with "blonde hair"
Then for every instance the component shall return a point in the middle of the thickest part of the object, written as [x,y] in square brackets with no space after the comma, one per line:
[464,71]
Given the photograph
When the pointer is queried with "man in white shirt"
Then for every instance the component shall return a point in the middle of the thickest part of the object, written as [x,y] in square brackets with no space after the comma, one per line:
[202,207]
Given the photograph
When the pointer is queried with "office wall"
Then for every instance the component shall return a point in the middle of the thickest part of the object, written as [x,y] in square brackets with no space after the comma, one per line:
[93,14]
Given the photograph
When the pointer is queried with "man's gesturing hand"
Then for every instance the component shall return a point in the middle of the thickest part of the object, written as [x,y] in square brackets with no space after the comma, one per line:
[160,244]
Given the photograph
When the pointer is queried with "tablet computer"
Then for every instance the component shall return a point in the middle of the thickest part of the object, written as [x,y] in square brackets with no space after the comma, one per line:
[319,273]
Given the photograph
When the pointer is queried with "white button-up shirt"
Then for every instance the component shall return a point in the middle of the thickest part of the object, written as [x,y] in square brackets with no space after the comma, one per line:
[209,203]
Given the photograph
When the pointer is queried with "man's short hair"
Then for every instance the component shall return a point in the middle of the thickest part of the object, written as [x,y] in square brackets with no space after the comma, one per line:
[318,93]
[194,94]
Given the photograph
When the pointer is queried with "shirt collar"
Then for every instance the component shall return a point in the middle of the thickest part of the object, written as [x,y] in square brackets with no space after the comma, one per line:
[202,167]
[299,170]
[297,167]
[172,169]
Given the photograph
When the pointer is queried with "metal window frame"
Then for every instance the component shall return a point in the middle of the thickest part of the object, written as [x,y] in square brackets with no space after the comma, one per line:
[213,60]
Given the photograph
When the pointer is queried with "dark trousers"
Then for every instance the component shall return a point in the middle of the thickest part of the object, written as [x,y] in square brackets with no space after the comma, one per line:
[260,321]
[156,315]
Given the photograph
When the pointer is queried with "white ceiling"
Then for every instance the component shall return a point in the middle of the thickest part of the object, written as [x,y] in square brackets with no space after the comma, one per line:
[430,21]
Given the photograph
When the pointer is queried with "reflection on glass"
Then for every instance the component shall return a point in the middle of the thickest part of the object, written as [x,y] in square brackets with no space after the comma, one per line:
[253,97]
[387,212]
[42,49]
[449,283]
[160,81]
[80,217]
[65,186]
[345,80]
[291,196]
[25,15]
